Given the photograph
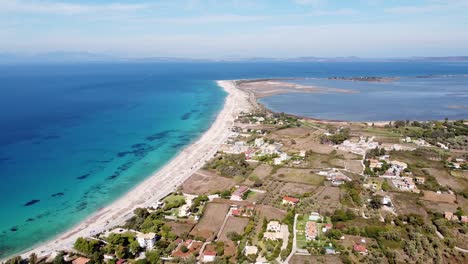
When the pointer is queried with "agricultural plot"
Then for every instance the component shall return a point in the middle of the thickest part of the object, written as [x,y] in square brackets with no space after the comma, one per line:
[206,182]
[304,176]
[211,221]
[233,224]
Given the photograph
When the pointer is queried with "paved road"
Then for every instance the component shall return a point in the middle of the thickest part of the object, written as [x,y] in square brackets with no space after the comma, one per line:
[294,246]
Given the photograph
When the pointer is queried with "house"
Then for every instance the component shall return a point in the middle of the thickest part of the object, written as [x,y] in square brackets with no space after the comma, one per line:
[239,193]
[282,157]
[386,200]
[259,142]
[186,248]
[250,250]
[109,256]
[302,153]
[311,230]
[361,249]
[451,216]
[464,219]
[420,180]
[375,164]
[290,200]
[81,260]
[209,256]
[329,251]
[327,227]
[274,226]
[315,217]
[146,240]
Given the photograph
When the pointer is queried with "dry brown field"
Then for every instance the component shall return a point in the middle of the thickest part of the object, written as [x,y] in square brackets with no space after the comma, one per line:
[211,221]
[406,203]
[233,224]
[439,198]
[180,228]
[298,176]
[301,259]
[205,182]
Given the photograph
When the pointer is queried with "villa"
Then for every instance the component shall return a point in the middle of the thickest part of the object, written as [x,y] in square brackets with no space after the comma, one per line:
[239,193]
[290,200]
[311,230]
[146,240]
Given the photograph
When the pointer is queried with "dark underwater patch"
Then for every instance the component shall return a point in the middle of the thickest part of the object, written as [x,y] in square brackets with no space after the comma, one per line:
[14,229]
[159,135]
[81,206]
[29,219]
[58,194]
[186,116]
[31,202]
[178,145]
[113,176]
[84,176]
[140,145]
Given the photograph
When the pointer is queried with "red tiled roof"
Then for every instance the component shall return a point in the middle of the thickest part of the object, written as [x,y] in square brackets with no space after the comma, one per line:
[209,253]
[360,248]
[291,199]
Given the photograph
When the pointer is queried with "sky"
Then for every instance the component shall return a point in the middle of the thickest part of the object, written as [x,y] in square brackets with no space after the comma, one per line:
[236,28]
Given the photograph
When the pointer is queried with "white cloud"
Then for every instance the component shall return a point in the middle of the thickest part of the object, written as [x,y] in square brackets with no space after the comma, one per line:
[22,6]
[309,2]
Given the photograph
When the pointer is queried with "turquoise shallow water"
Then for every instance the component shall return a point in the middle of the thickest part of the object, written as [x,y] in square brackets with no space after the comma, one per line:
[70,167]
[76,137]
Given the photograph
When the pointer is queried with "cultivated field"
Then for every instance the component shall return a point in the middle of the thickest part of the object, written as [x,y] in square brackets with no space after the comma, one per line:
[210,223]
[180,228]
[206,182]
[233,224]
[301,259]
[299,176]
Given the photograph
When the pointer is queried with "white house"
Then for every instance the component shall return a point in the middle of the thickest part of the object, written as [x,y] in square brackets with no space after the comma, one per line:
[274,226]
[250,250]
[146,240]
[209,256]
[259,142]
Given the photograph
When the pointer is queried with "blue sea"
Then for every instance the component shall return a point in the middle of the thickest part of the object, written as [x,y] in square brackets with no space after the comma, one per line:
[75,137]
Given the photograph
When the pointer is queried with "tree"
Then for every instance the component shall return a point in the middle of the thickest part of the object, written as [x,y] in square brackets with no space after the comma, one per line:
[153,256]
[32,258]
[375,202]
[85,246]
[59,258]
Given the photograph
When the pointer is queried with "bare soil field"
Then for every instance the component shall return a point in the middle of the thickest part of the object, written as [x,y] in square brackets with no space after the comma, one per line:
[406,203]
[440,207]
[211,221]
[205,182]
[299,176]
[445,179]
[262,171]
[439,198]
[233,224]
[301,259]
[324,199]
[180,228]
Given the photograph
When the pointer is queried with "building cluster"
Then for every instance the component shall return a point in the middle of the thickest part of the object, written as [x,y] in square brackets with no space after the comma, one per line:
[360,147]
[335,176]
[450,216]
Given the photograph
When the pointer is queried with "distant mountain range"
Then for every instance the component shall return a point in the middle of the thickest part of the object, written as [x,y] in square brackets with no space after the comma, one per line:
[87,57]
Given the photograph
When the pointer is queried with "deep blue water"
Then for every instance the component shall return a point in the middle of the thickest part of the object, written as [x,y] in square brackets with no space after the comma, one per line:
[75,137]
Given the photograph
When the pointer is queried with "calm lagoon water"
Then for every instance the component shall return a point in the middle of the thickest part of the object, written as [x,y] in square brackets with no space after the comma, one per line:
[76,137]
[414,98]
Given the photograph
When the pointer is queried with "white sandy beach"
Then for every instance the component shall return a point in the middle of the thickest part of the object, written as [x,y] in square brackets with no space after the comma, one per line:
[162,182]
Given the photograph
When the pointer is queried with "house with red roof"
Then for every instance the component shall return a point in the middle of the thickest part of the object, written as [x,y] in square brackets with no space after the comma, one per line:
[290,200]
[361,249]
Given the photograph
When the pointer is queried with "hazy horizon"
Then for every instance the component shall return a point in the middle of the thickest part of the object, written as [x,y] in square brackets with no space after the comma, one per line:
[201,29]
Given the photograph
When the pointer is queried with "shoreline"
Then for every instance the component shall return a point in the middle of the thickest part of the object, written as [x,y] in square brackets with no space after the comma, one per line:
[160,183]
